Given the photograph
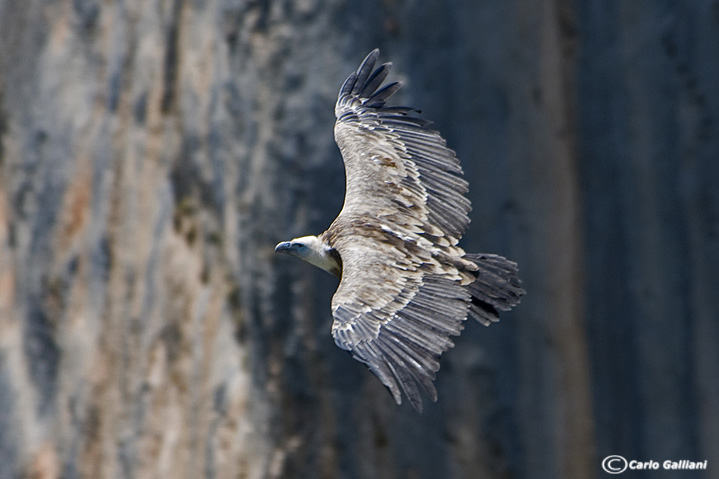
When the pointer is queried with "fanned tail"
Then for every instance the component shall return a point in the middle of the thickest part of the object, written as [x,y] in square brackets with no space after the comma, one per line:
[497,287]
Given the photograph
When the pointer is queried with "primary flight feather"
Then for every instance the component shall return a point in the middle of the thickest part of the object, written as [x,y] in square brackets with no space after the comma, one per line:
[406,287]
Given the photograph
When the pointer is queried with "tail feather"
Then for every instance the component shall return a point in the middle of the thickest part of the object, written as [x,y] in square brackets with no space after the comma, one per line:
[497,287]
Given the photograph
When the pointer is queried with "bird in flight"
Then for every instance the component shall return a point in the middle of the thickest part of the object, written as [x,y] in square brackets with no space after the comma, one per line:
[405,285]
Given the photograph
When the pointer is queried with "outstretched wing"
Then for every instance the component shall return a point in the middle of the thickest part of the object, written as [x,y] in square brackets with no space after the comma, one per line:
[402,293]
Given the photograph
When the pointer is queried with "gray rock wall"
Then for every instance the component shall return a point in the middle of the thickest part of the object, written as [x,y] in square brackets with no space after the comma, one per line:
[153,152]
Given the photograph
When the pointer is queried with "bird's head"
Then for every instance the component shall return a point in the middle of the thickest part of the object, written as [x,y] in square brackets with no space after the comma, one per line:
[314,251]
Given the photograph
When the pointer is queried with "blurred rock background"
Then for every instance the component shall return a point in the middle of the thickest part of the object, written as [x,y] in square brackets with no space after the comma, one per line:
[153,152]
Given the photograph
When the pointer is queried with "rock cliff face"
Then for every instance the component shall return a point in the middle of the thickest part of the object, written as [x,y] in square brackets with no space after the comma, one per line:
[153,152]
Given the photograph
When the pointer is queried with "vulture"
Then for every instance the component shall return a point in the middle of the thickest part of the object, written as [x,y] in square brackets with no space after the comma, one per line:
[406,287]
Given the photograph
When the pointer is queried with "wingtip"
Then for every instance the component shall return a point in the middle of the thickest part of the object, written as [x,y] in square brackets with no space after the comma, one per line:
[417,405]
[370,59]
[365,69]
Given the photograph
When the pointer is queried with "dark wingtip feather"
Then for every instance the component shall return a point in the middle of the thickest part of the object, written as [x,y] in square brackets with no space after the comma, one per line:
[375,80]
[364,70]
[348,85]
[383,93]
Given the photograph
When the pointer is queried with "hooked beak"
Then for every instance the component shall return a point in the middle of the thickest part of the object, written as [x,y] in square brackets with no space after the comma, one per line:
[284,247]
